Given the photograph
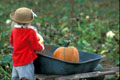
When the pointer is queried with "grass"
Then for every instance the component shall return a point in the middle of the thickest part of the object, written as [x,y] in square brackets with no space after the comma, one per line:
[84,22]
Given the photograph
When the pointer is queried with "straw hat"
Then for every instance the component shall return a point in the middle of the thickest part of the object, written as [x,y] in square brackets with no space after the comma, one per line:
[22,15]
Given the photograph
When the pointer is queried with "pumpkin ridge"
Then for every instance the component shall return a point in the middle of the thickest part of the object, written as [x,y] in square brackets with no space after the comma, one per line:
[64,53]
[72,52]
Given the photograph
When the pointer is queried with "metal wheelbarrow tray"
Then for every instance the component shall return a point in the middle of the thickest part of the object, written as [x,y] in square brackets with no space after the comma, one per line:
[46,64]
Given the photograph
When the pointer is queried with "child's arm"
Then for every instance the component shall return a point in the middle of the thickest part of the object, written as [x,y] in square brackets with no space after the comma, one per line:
[40,40]
[34,44]
[39,37]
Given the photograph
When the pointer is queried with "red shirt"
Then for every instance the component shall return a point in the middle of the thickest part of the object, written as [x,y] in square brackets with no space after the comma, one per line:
[25,44]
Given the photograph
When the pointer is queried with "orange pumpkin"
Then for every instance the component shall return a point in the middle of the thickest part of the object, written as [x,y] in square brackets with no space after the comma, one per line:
[67,53]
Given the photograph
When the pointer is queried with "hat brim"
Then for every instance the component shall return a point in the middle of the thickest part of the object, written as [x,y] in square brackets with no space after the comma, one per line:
[18,21]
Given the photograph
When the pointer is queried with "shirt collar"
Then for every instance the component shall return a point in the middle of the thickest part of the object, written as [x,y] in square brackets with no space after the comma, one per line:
[20,26]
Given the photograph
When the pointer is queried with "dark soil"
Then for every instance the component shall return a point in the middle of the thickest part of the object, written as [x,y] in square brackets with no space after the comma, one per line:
[107,63]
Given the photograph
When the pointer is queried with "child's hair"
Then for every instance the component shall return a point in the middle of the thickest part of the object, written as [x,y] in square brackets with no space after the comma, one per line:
[23,23]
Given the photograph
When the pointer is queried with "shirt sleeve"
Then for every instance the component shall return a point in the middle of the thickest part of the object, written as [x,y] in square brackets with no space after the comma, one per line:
[11,38]
[34,44]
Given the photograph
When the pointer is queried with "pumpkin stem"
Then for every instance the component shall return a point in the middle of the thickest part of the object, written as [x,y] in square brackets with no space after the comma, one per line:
[67,44]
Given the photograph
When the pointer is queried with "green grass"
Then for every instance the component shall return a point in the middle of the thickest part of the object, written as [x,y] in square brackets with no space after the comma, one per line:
[85,23]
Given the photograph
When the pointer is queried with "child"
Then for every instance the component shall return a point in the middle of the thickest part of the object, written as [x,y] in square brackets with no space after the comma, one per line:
[25,40]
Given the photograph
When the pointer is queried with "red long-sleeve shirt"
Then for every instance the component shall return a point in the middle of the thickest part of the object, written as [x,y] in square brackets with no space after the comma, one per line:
[25,44]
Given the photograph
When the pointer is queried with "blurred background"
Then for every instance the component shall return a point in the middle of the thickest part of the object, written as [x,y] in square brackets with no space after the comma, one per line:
[90,25]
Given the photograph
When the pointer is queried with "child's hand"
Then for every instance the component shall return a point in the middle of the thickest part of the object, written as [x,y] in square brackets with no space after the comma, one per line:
[40,39]
[41,42]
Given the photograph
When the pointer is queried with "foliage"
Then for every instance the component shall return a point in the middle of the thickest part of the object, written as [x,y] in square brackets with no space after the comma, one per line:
[5,67]
[84,22]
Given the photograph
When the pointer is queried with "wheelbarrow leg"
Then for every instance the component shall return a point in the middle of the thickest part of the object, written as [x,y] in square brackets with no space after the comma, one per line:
[45,79]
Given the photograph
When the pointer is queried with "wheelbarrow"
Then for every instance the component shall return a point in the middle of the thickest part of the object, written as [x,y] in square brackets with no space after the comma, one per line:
[46,64]
[49,68]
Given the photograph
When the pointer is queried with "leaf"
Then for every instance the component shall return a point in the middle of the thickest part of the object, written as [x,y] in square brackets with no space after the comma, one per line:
[85,43]
[1,13]
[117,62]
[111,77]
[80,45]
[6,59]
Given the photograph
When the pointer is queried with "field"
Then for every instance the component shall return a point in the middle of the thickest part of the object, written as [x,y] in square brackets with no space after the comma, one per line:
[90,25]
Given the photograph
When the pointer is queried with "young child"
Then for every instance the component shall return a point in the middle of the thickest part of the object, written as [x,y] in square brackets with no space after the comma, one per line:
[25,41]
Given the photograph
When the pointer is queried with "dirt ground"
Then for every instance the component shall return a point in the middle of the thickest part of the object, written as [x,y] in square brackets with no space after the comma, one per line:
[107,63]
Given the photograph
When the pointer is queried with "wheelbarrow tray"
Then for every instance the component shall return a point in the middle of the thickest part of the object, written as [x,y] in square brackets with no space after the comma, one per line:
[46,64]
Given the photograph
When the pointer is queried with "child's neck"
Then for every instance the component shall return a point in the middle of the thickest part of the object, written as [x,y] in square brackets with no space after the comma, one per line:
[22,26]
